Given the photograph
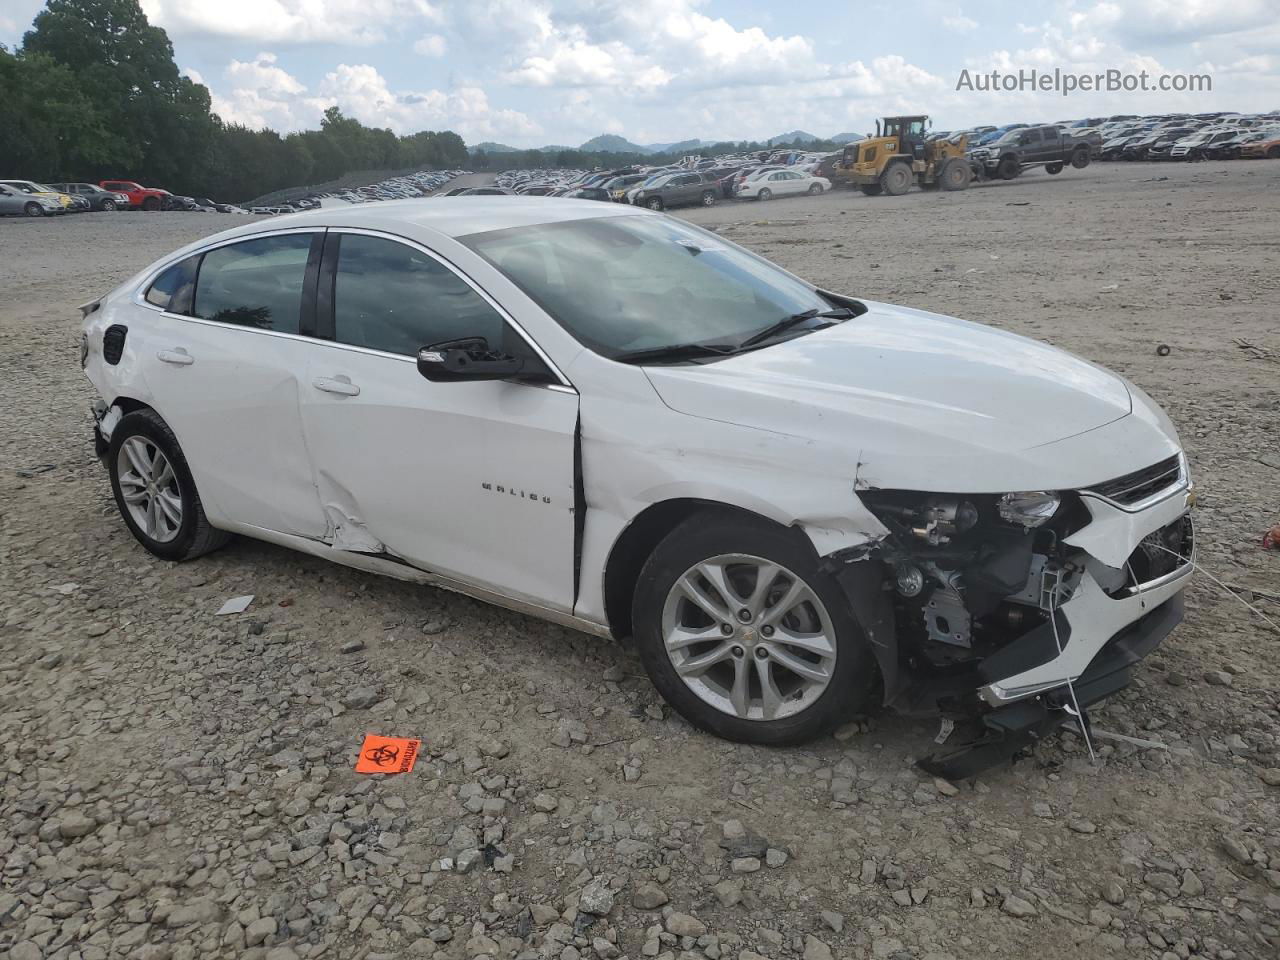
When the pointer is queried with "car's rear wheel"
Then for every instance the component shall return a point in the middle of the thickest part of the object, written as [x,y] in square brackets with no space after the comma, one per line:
[108,205]
[764,194]
[33,209]
[654,203]
[745,636]
[1273,153]
[155,492]
[708,198]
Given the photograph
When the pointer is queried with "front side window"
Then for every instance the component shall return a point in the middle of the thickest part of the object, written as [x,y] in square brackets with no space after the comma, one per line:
[625,284]
[388,296]
[255,283]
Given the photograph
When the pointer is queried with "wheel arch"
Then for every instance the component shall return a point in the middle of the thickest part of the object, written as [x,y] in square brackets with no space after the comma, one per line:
[641,536]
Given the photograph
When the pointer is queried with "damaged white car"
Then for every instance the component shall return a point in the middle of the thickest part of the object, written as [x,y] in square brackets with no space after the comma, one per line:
[796,501]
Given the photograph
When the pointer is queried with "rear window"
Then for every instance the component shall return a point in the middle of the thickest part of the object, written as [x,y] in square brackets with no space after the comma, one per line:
[256,283]
[171,291]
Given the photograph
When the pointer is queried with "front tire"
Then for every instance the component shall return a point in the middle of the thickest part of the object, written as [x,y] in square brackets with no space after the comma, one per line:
[33,209]
[709,198]
[155,492]
[815,189]
[745,636]
[896,179]
[151,204]
[109,206]
[654,203]
[1080,159]
[1008,167]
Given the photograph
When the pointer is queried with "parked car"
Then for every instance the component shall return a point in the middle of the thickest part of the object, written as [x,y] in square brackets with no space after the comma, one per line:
[677,189]
[30,203]
[97,198]
[1158,140]
[487,192]
[1025,147]
[1196,146]
[60,202]
[781,183]
[1268,146]
[140,197]
[589,193]
[794,500]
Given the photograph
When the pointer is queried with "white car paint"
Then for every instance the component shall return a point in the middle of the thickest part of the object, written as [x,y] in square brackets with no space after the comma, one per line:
[472,485]
[782,183]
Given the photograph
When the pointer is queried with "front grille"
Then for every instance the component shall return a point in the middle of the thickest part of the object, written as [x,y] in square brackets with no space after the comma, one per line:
[1138,486]
[1161,553]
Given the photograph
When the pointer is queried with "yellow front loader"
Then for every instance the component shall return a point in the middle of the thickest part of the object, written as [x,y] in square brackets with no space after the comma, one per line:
[900,154]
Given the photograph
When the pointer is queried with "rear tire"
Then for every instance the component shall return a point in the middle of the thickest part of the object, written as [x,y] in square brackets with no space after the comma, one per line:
[896,179]
[842,673]
[764,194]
[151,203]
[1008,167]
[1273,153]
[161,508]
[1080,159]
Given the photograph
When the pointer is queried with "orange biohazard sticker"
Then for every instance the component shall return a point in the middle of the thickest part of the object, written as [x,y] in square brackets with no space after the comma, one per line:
[380,754]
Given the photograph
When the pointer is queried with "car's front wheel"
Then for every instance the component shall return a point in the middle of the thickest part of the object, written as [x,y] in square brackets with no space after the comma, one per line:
[155,492]
[33,209]
[108,205]
[815,188]
[745,636]
[708,198]
[654,203]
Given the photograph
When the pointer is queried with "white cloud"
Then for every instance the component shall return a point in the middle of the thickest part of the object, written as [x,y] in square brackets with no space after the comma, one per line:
[960,23]
[350,22]
[431,45]
[260,93]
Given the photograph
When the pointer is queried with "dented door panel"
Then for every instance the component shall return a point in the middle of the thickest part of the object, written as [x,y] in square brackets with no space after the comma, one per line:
[469,480]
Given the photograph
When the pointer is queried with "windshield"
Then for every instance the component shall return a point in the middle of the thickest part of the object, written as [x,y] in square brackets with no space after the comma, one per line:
[625,284]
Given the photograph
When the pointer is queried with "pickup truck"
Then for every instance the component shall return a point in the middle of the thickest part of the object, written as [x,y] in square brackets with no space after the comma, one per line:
[1017,150]
[140,197]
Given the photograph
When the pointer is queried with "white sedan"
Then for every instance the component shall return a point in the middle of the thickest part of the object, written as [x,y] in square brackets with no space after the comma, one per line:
[793,500]
[781,183]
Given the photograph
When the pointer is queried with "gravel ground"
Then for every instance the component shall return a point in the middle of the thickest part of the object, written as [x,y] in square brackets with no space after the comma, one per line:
[176,784]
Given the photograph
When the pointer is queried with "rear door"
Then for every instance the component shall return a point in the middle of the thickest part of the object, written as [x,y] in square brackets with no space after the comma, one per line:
[471,480]
[221,349]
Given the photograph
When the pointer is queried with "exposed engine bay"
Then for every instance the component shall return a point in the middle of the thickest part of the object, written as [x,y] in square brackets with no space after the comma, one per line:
[973,581]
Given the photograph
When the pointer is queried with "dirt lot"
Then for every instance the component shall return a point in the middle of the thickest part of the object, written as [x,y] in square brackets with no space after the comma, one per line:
[175,784]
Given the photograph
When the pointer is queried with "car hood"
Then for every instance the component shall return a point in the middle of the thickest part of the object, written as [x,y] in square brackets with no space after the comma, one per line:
[898,383]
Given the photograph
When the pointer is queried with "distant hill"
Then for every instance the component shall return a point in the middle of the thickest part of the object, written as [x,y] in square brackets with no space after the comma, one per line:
[490,147]
[612,143]
[791,137]
[678,147]
[848,137]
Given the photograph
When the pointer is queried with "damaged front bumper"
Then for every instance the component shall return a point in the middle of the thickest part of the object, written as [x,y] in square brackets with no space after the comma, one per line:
[1003,629]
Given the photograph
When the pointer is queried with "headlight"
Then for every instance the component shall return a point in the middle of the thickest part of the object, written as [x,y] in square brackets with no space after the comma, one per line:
[1030,509]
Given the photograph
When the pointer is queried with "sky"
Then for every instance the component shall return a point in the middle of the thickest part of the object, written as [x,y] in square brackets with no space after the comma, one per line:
[536,72]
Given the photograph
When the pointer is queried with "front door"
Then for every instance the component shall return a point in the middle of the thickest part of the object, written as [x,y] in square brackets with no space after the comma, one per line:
[471,480]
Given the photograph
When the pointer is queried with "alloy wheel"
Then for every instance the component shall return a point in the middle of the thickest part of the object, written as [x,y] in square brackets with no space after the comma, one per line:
[149,488]
[749,637]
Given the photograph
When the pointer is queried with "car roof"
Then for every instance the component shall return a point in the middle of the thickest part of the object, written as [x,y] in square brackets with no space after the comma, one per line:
[451,216]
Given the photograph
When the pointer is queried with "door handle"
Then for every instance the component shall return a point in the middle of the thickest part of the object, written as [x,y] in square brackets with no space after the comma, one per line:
[342,387]
[178,357]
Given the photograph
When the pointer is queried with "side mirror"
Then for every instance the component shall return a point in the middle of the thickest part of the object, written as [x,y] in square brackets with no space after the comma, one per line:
[467,359]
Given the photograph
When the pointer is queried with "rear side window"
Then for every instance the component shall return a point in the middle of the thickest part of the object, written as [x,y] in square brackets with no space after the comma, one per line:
[388,296]
[257,283]
[171,290]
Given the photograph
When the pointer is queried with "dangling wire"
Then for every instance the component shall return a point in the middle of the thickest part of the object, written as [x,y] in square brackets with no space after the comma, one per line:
[1196,563]
[1071,687]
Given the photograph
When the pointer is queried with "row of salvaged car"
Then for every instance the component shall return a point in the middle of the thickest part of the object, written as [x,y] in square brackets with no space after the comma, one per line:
[691,183]
[34,199]
[1178,136]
